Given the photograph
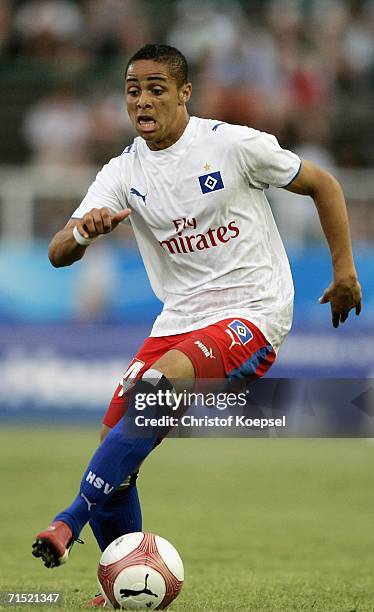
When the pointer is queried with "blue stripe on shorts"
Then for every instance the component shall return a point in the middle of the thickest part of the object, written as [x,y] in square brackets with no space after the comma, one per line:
[249,367]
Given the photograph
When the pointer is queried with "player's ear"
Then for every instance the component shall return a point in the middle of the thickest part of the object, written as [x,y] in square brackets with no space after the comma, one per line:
[185,93]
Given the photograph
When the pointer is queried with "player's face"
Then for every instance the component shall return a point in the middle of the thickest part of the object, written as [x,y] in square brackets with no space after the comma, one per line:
[155,103]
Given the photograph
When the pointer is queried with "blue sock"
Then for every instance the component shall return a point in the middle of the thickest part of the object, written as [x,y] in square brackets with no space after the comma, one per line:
[117,457]
[120,514]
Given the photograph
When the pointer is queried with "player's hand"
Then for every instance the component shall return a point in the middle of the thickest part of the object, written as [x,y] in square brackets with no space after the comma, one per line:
[344,295]
[100,221]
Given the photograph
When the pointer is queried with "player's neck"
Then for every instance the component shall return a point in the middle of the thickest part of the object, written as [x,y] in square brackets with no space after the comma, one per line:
[174,134]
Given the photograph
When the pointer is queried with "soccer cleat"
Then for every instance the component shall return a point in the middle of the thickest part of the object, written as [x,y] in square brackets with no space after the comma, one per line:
[53,544]
[96,602]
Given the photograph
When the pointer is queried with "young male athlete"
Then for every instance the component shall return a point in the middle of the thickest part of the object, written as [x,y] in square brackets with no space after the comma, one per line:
[195,191]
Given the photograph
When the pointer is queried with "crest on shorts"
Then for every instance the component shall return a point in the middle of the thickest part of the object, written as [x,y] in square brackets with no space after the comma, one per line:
[241,331]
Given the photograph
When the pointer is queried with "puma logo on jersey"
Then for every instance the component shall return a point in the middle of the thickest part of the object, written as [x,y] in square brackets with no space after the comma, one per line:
[217,125]
[208,352]
[99,483]
[137,193]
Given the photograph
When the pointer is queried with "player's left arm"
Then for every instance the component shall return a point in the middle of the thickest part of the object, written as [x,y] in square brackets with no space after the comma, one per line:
[344,293]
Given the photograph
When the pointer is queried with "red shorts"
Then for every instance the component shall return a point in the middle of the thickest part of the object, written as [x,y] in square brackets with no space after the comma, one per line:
[232,348]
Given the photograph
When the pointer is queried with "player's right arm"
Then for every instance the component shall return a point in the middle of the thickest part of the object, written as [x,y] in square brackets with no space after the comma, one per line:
[64,248]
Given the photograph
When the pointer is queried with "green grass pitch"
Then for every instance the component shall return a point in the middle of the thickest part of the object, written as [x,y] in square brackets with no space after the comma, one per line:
[261,525]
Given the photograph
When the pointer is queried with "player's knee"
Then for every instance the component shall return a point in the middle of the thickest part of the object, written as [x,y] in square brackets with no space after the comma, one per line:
[174,366]
[157,380]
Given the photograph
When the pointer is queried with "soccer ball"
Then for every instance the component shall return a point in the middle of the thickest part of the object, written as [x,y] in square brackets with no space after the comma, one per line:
[140,571]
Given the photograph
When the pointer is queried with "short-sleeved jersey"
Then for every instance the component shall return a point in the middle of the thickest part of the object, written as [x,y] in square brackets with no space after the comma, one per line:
[203,225]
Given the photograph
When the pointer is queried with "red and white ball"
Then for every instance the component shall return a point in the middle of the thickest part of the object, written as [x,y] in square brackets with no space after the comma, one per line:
[140,571]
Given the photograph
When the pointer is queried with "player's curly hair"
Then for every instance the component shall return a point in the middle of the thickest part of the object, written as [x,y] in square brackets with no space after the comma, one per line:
[164,54]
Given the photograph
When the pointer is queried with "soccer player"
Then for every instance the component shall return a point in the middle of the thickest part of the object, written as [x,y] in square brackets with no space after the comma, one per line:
[194,192]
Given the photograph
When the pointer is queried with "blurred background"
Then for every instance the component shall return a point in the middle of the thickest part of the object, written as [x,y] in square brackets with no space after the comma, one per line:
[301,69]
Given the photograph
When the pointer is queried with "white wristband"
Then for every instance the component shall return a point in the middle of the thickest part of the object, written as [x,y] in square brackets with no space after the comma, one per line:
[81,239]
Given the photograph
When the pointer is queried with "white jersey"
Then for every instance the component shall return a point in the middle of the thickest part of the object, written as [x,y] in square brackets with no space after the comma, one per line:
[204,226]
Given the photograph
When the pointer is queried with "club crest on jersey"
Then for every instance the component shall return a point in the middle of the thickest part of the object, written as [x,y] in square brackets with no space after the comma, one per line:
[211,182]
[242,332]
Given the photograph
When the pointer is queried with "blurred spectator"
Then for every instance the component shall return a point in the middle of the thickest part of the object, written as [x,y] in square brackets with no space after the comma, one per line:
[245,82]
[202,29]
[44,25]
[309,84]
[285,18]
[110,127]
[57,130]
[324,28]
[115,26]
[5,25]
[245,85]
[358,40]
